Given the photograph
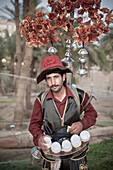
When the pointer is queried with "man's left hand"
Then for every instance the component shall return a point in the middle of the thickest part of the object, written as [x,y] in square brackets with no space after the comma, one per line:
[76,128]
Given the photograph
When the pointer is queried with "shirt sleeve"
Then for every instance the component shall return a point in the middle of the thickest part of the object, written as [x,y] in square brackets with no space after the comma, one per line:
[36,122]
[90,114]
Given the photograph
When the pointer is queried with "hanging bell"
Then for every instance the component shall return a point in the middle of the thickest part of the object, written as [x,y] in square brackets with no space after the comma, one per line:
[52,50]
[68,54]
[82,51]
[68,61]
[69,46]
[82,60]
[69,41]
[82,72]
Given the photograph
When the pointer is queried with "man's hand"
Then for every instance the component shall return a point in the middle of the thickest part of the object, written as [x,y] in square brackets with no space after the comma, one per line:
[76,128]
[41,142]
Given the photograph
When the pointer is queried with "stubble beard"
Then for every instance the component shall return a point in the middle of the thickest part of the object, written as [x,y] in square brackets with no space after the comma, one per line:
[56,90]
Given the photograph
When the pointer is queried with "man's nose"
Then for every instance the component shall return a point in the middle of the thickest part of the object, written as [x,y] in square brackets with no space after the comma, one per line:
[52,81]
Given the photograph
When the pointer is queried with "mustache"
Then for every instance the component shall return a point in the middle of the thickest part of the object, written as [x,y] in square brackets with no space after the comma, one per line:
[53,86]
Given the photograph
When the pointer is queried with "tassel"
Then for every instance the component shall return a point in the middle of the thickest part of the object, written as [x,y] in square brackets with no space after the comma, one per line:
[56,165]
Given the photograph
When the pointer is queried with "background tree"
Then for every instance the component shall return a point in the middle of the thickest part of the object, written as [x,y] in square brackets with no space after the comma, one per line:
[24,87]
[10,47]
[18,54]
[106,43]
[2,55]
[10,12]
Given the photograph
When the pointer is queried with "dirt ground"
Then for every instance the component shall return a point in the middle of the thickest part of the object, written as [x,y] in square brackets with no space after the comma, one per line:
[103,105]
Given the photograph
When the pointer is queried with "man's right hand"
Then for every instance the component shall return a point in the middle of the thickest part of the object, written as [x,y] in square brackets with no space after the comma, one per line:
[41,142]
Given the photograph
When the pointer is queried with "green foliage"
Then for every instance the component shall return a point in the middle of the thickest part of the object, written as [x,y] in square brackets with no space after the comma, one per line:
[0,127]
[96,56]
[1,118]
[2,48]
[8,84]
[107,41]
[7,101]
[100,156]
[10,42]
[2,51]
[106,44]
[111,114]
[8,127]
[9,11]
[24,126]
[105,123]
[20,166]
[7,47]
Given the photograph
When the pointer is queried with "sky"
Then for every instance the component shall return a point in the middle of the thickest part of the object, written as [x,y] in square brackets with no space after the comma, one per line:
[104,3]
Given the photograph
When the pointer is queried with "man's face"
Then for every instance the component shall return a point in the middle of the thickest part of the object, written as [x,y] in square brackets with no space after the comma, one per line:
[55,81]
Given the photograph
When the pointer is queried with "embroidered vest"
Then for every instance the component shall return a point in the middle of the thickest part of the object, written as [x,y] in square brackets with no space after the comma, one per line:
[51,116]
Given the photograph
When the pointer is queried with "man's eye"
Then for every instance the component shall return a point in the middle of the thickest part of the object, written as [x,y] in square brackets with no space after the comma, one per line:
[48,78]
[56,76]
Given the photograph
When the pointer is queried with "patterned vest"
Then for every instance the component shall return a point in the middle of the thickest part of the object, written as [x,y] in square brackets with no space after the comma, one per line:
[51,116]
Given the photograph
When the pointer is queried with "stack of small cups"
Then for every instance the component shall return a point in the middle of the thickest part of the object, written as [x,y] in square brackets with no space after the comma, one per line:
[76,142]
[48,143]
[84,136]
[66,146]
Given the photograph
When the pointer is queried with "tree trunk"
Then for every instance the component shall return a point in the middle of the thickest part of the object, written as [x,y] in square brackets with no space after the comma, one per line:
[18,56]
[26,9]
[23,71]
[22,85]
[1,91]
[28,98]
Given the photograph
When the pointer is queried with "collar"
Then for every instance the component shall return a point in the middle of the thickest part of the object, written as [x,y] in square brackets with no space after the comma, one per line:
[68,94]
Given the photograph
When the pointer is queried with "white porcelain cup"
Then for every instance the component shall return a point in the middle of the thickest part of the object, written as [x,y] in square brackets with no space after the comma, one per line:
[75,140]
[85,136]
[66,146]
[55,147]
[48,141]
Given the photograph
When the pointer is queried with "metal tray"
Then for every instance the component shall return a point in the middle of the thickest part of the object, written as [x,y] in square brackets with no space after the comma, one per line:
[72,154]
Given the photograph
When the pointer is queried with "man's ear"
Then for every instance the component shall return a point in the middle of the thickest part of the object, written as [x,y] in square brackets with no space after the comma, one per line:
[64,77]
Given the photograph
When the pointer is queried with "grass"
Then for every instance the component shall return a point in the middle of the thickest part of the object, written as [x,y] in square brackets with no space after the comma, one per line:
[105,123]
[111,114]
[0,127]
[20,166]
[1,118]
[24,126]
[7,101]
[8,126]
[100,156]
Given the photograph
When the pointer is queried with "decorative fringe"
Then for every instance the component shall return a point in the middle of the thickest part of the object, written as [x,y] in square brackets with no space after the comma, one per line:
[56,165]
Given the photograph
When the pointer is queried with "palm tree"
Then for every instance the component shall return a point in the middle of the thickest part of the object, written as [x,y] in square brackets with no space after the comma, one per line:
[10,48]
[9,11]
[24,87]
[18,54]
[2,55]
[106,43]
[96,56]
[25,71]
[2,51]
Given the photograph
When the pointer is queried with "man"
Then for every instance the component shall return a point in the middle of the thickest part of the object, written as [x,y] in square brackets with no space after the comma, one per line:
[58,107]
